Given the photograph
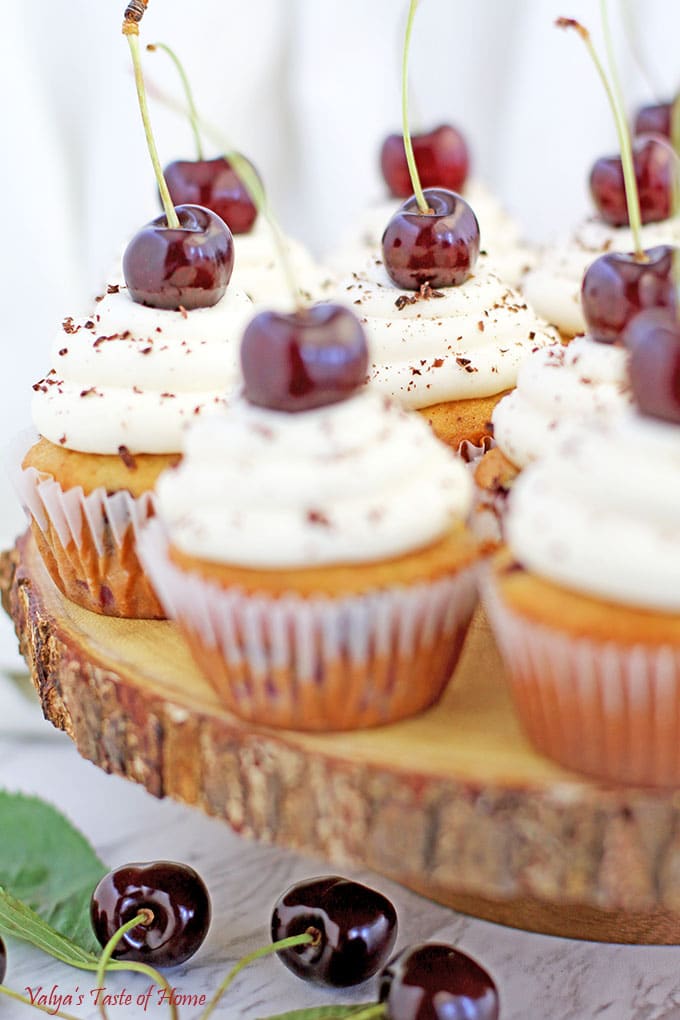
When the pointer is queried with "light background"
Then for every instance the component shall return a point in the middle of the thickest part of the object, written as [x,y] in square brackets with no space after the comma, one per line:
[308,89]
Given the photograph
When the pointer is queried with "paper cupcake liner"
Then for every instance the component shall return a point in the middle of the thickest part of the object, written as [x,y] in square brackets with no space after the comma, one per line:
[88,542]
[609,710]
[317,663]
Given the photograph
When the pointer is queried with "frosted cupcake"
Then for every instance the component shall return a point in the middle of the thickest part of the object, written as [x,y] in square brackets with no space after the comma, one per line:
[110,414]
[584,602]
[315,554]
[448,352]
[258,271]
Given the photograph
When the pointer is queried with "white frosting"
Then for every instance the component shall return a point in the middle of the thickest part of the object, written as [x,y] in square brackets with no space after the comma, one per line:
[356,481]
[500,236]
[467,342]
[258,270]
[554,286]
[134,376]
[559,387]
[600,514]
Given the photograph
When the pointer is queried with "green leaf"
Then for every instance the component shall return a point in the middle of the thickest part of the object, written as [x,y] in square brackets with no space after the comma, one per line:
[323,1012]
[23,923]
[49,865]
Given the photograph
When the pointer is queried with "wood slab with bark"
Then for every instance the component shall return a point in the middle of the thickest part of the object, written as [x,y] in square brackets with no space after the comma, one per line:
[454,804]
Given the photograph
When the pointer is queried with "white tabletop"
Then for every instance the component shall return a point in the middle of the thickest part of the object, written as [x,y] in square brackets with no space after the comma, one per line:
[538,977]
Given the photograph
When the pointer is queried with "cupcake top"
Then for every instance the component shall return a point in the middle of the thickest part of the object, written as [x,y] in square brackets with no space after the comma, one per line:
[554,286]
[430,346]
[559,387]
[500,233]
[258,271]
[599,514]
[356,481]
[132,376]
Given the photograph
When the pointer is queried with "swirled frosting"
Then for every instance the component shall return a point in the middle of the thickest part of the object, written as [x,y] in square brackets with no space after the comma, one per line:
[134,376]
[559,387]
[554,286]
[258,270]
[500,236]
[356,481]
[600,514]
[432,346]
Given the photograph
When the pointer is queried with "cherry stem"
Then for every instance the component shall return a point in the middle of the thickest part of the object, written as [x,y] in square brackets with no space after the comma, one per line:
[408,144]
[170,214]
[630,183]
[305,939]
[188,94]
[144,918]
[36,1005]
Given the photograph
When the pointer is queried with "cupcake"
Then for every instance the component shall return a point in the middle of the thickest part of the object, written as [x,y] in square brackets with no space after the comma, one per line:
[553,287]
[258,271]
[311,545]
[449,352]
[584,600]
[110,413]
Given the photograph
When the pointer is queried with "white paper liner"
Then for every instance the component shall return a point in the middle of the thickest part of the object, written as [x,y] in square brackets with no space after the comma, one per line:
[283,656]
[73,516]
[606,709]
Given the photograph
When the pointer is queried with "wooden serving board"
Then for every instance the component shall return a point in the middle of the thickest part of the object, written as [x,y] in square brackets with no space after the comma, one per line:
[454,804]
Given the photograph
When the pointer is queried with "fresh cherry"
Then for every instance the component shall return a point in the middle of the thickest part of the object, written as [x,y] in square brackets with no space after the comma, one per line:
[441,156]
[186,267]
[437,982]
[212,183]
[303,359]
[653,339]
[653,164]
[617,286]
[3,961]
[439,247]
[654,120]
[176,896]
[354,929]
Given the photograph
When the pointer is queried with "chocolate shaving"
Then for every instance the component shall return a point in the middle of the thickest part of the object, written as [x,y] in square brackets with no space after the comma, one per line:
[318,517]
[127,458]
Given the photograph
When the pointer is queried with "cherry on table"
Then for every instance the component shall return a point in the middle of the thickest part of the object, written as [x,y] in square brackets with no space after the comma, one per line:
[180,267]
[303,359]
[654,119]
[433,981]
[354,927]
[176,896]
[653,339]
[441,156]
[618,285]
[214,184]
[440,247]
[654,168]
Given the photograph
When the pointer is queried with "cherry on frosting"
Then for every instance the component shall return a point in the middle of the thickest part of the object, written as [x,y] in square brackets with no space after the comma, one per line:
[441,156]
[653,339]
[654,168]
[214,184]
[303,359]
[618,285]
[180,267]
[439,247]
[654,119]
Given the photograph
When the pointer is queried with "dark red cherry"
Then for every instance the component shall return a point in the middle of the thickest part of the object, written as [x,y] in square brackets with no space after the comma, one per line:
[437,982]
[654,120]
[3,961]
[184,267]
[303,359]
[653,162]
[176,896]
[441,156]
[617,286]
[354,927]
[212,183]
[653,339]
[439,248]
